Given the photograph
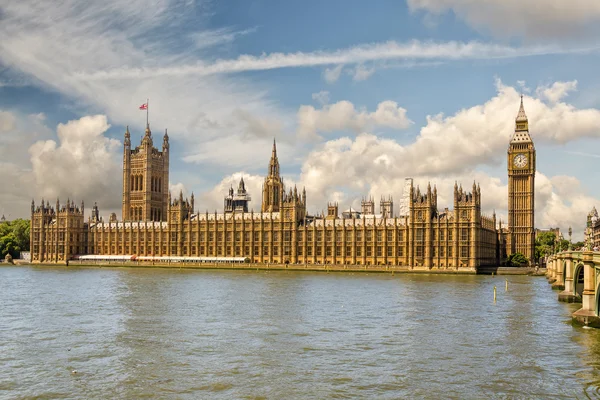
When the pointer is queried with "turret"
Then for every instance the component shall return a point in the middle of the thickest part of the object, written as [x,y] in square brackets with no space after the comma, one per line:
[127,141]
[95,213]
[165,146]
[147,139]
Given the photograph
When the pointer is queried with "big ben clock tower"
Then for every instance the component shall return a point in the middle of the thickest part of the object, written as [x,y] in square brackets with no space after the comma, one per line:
[521,188]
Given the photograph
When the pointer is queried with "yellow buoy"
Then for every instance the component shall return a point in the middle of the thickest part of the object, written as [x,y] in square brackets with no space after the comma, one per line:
[507,285]
[494,294]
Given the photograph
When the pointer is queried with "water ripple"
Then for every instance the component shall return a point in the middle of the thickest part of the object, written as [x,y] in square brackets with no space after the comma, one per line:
[118,333]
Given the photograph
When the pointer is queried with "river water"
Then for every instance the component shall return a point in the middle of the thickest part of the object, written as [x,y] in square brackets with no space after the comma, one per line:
[169,334]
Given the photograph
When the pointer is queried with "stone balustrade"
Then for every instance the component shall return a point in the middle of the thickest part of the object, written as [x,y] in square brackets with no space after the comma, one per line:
[577,275]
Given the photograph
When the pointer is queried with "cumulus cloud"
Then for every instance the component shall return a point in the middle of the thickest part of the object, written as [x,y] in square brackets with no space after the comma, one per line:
[95,55]
[82,164]
[344,116]
[556,91]
[516,18]
[479,134]
[345,170]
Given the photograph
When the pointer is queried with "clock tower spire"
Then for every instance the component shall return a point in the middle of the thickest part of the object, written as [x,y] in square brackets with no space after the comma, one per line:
[521,188]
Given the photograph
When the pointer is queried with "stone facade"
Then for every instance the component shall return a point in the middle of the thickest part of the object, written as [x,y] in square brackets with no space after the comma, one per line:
[145,179]
[422,236]
[592,230]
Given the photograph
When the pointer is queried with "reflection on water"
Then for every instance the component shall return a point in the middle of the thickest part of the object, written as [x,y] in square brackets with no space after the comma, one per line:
[135,333]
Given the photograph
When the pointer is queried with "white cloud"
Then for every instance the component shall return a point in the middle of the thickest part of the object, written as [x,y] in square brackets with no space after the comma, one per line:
[211,38]
[51,43]
[239,151]
[517,18]
[259,127]
[321,97]
[83,164]
[331,75]
[343,116]
[7,121]
[478,135]
[112,55]
[345,170]
[361,73]
[390,50]
[213,199]
[176,188]
[556,91]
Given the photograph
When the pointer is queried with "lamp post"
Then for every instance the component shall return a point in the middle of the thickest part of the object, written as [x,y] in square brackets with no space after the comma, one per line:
[570,243]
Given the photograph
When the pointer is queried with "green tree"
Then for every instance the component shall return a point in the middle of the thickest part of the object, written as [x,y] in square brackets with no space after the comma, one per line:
[563,245]
[544,244]
[517,260]
[14,237]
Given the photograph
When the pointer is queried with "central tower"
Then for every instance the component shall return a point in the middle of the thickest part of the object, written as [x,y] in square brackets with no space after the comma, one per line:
[521,188]
[145,179]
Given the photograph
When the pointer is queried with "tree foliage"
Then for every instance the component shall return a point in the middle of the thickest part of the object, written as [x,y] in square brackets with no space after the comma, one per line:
[14,237]
[544,244]
[517,260]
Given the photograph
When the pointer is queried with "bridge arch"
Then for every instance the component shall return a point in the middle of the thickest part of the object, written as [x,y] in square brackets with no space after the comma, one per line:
[578,280]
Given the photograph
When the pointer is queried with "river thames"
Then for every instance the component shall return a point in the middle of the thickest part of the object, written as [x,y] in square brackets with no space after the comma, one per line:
[152,333]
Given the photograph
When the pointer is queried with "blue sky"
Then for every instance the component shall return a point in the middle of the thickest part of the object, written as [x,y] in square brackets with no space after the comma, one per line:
[359,95]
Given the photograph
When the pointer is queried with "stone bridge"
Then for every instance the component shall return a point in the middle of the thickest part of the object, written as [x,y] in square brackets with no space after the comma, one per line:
[577,275]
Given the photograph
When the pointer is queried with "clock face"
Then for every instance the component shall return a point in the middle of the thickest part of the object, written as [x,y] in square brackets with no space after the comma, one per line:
[520,161]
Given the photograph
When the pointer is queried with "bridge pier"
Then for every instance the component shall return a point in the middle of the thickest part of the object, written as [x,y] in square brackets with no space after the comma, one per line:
[568,294]
[550,273]
[588,314]
[559,284]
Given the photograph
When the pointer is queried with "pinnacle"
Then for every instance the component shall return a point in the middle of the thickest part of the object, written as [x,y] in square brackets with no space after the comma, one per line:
[274,152]
[521,116]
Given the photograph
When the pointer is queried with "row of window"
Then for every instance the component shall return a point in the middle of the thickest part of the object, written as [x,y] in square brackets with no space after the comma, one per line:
[369,251]
[310,236]
[287,235]
[137,183]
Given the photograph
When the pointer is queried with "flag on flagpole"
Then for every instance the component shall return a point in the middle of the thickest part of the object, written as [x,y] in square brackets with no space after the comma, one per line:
[144,106]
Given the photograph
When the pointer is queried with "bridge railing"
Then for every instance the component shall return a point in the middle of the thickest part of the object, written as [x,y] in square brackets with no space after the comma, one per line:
[577,275]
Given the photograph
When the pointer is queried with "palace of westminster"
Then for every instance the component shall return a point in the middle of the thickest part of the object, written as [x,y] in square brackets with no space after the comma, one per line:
[419,236]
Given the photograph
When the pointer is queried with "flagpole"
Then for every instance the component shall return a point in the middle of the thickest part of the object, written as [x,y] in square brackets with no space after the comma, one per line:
[147,107]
